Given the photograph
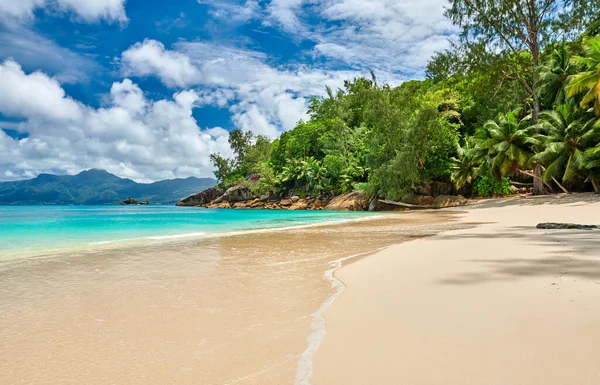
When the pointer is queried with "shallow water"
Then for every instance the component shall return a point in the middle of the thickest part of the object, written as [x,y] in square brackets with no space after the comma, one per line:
[41,230]
[232,310]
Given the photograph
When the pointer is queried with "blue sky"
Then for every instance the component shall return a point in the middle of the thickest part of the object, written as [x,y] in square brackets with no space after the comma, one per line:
[148,89]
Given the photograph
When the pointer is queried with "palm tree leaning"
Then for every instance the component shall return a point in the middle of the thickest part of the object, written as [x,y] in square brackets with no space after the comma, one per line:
[567,133]
[587,83]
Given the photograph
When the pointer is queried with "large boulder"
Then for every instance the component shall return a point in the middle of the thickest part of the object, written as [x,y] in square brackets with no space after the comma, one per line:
[353,201]
[450,201]
[300,204]
[237,194]
[202,198]
[420,200]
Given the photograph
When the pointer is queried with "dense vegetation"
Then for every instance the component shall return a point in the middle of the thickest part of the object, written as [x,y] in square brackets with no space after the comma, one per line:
[517,100]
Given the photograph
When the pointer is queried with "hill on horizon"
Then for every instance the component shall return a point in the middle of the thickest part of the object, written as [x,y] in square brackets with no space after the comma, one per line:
[96,187]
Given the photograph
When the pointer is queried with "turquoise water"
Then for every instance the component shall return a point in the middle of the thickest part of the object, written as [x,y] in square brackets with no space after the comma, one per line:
[40,230]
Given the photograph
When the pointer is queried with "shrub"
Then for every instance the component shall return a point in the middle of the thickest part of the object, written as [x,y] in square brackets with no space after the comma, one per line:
[487,186]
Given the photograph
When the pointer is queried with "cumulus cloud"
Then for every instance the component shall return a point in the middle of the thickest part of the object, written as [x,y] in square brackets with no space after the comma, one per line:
[151,58]
[262,98]
[131,136]
[35,95]
[384,35]
[87,10]
[398,36]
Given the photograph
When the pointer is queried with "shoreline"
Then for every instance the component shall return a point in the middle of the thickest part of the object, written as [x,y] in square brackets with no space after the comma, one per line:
[156,241]
[318,325]
[382,320]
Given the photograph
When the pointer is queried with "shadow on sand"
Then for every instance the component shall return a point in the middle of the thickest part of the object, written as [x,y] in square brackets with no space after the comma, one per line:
[575,253]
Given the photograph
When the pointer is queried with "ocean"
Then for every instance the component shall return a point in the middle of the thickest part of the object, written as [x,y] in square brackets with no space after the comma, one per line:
[47,230]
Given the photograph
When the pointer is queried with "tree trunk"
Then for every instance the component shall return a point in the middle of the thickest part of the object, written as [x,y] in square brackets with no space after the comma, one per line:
[596,187]
[538,183]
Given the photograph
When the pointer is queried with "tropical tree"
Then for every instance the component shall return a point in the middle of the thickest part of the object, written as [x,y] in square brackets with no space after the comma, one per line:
[466,166]
[553,77]
[316,176]
[509,144]
[567,133]
[587,83]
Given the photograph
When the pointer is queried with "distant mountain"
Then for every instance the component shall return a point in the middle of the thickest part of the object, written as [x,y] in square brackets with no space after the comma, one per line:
[96,187]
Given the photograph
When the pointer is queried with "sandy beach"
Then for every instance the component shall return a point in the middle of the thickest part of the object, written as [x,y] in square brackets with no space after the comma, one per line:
[501,303]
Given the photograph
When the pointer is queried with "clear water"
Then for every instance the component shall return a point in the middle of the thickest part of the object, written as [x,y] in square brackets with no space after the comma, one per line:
[41,230]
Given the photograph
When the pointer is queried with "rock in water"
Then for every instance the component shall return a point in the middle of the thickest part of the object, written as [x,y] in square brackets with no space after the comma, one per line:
[565,226]
[131,201]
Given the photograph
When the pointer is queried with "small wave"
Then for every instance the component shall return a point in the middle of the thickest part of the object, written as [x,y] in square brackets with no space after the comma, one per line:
[176,236]
[151,237]
[305,363]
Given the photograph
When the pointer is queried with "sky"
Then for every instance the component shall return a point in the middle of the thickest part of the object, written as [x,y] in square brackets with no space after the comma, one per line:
[148,89]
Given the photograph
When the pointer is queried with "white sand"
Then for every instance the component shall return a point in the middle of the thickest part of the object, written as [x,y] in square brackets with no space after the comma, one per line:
[501,303]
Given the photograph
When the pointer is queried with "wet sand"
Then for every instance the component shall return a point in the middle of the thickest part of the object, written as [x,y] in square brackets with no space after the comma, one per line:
[499,304]
[234,310]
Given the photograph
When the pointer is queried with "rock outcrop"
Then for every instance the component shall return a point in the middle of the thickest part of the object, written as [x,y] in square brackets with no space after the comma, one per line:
[353,201]
[450,201]
[202,198]
[131,201]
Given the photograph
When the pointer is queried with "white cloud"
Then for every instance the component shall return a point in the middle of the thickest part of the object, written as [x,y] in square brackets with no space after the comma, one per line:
[131,136]
[383,35]
[285,14]
[151,58]
[232,11]
[93,10]
[34,95]
[19,8]
[263,99]
[87,10]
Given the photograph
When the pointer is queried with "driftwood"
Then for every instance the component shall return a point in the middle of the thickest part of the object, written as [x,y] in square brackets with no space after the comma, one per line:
[407,205]
[520,184]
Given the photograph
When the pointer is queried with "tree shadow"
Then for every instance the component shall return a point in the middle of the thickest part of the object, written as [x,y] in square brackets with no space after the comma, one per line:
[575,253]
[578,199]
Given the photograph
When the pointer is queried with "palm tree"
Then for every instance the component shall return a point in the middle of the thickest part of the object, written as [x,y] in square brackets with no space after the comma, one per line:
[316,175]
[588,81]
[567,133]
[509,144]
[553,77]
[467,165]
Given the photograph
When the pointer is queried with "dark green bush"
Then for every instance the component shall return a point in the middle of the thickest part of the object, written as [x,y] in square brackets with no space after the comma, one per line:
[487,186]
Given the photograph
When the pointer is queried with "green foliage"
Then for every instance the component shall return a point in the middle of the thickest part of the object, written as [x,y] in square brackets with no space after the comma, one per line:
[488,186]
[486,93]
[587,83]
[568,134]
[509,144]
[465,167]
[223,166]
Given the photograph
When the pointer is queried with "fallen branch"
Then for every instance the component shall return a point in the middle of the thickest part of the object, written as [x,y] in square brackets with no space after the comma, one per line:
[407,205]
[561,186]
